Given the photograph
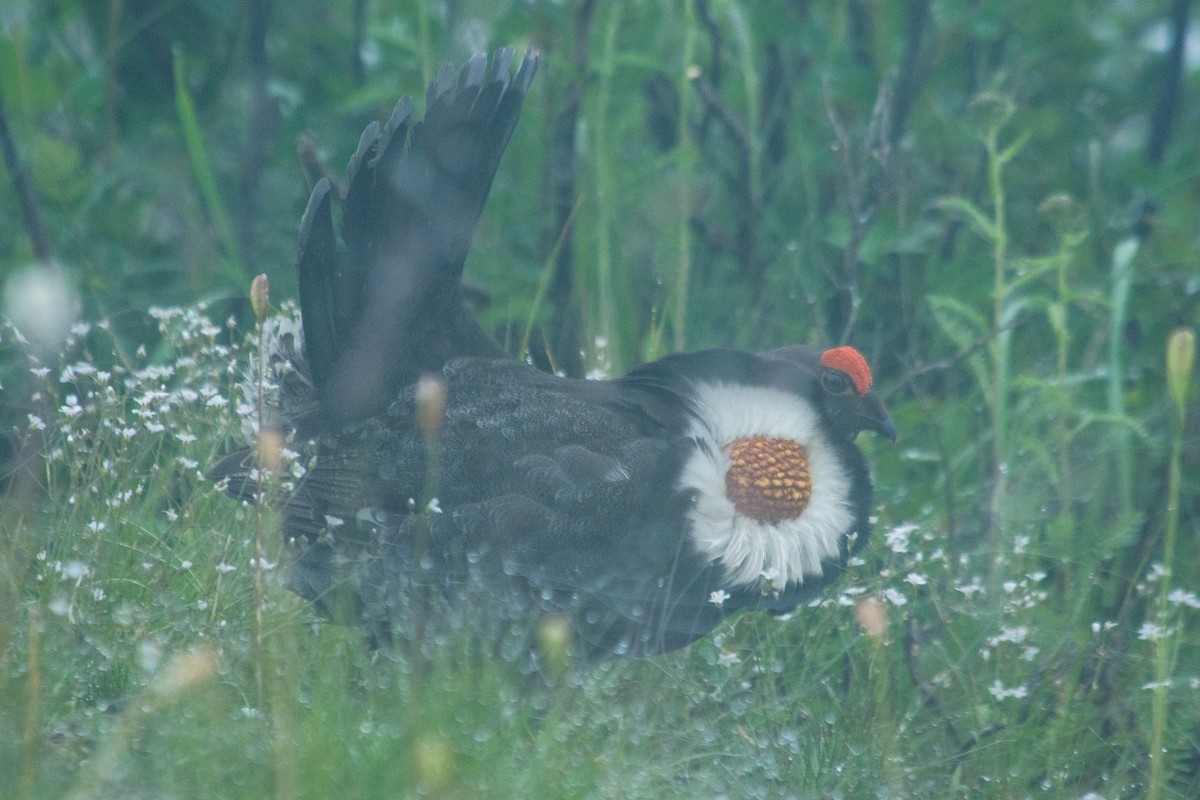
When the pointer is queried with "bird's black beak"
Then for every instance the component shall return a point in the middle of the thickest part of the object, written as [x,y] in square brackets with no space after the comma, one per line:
[885,428]
[873,416]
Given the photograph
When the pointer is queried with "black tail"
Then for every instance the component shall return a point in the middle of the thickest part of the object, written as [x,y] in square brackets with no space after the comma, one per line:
[388,306]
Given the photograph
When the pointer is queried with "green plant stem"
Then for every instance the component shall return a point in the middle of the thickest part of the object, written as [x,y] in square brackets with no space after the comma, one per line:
[259,511]
[1064,528]
[683,265]
[1122,278]
[1001,337]
[426,54]
[605,327]
[1163,644]
[33,694]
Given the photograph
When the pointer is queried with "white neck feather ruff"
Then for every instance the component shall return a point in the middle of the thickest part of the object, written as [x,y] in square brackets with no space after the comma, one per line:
[751,551]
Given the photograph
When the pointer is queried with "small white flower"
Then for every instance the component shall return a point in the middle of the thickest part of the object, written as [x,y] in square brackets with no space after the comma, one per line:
[223,567]
[72,407]
[1150,632]
[36,424]
[916,579]
[728,658]
[1015,635]
[999,691]
[897,537]
[894,597]
[434,506]
[971,589]
[718,597]
[1181,598]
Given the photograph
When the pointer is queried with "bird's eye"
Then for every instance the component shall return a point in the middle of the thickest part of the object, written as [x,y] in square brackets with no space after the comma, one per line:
[835,382]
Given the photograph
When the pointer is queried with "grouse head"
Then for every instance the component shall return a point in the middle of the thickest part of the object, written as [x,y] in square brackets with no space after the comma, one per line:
[646,508]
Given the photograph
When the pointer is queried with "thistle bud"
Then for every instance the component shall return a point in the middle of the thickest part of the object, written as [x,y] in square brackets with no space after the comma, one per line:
[991,110]
[270,452]
[184,671]
[433,758]
[872,617]
[431,405]
[554,641]
[1064,214]
[1181,357]
[260,299]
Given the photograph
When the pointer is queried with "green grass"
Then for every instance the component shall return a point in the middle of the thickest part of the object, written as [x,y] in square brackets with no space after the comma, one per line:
[130,666]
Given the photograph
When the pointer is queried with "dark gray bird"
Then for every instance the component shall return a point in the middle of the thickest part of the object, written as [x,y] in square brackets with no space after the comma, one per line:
[646,508]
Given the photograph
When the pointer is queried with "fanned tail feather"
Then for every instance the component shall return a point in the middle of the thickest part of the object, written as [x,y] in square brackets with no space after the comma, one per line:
[388,305]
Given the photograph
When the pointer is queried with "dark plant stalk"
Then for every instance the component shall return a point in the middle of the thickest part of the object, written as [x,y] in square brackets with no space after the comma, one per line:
[115,10]
[23,190]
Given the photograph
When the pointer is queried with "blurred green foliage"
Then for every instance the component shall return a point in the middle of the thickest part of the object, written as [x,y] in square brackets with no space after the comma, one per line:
[995,201]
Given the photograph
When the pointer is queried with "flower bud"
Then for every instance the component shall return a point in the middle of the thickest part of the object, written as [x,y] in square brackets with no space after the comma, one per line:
[434,761]
[554,641]
[991,110]
[431,405]
[1181,357]
[260,298]
[872,617]
[184,671]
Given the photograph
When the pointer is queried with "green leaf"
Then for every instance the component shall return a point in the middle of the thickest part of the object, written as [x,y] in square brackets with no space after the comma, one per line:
[202,170]
[965,208]
[965,328]
[1030,269]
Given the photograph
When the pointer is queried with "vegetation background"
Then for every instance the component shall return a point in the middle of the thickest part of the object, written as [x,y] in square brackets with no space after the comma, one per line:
[996,201]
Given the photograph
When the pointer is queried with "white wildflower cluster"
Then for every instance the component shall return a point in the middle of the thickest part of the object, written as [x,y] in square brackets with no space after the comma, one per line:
[1153,631]
[125,430]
